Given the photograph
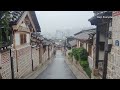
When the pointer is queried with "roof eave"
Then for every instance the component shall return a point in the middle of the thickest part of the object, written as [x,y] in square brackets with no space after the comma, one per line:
[94,19]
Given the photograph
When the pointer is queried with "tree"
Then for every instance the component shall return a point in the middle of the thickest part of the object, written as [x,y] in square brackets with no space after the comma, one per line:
[4,27]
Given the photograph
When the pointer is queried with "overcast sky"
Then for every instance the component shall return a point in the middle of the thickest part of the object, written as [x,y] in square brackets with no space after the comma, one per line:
[50,21]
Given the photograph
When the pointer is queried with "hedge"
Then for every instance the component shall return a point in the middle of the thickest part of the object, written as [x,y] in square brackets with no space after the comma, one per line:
[81,55]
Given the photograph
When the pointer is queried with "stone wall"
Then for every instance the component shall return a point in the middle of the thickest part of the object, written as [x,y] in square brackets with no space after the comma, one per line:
[6,64]
[51,51]
[45,55]
[35,57]
[113,69]
[24,61]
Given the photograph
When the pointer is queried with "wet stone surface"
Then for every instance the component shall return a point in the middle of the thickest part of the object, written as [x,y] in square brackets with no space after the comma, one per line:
[58,69]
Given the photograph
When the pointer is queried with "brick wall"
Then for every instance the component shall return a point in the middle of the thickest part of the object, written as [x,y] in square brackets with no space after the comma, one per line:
[6,66]
[45,55]
[24,61]
[35,57]
[113,69]
[21,60]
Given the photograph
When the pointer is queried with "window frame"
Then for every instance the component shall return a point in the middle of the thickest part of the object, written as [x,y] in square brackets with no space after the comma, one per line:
[23,38]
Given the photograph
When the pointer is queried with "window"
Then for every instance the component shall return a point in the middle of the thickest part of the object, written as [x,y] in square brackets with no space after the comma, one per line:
[22,38]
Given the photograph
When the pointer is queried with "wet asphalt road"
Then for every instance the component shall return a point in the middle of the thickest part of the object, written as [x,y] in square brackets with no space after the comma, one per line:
[58,69]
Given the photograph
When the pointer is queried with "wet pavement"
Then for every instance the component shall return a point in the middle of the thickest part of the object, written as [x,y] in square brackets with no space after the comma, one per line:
[58,69]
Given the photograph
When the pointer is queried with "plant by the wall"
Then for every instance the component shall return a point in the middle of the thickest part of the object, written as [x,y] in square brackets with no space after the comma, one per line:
[70,54]
[83,54]
[5,28]
[84,64]
[76,53]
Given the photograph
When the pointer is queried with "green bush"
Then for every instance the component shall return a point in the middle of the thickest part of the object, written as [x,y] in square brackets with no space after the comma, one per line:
[83,54]
[80,54]
[70,54]
[76,53]
[88,71]
[84,64]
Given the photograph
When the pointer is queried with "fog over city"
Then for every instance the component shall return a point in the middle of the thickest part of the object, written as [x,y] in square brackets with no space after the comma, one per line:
[66,22]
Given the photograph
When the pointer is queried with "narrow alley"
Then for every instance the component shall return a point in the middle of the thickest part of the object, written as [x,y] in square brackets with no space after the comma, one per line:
[58,69]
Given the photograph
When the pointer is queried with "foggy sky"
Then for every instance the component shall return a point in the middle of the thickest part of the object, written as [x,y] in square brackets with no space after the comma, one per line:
[50,21]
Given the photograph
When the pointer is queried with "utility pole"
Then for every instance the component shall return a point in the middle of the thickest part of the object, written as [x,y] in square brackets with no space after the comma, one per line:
[11,55]
[12,63]
[106,54]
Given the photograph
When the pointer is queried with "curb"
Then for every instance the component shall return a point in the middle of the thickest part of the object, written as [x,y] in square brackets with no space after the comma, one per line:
[75,70]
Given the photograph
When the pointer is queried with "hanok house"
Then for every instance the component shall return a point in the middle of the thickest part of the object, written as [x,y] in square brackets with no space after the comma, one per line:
[23,23]
[85,39]
[51,48]
[102,20]
[37,49]
[73,44]
[48,49]
[68,39]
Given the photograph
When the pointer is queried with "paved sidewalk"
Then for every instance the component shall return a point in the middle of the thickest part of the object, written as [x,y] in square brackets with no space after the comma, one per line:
[39,70]
[58,69]
[79,74]
[76,71]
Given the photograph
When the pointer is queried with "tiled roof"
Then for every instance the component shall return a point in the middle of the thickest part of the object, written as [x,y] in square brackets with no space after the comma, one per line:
[34,18]
[73,43]
[16,15]
[84,35]
[94,19]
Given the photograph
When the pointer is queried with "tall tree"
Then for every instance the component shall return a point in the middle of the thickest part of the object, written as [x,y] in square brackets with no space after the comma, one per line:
[4,27]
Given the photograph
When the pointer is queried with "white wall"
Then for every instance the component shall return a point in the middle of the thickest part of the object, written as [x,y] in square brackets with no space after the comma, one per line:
[101,55]
[84,45]
[17,39]
[92,51]
[23,25]
[87,47]
[28,38]
[90,60]
[102,37]
[79,43]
